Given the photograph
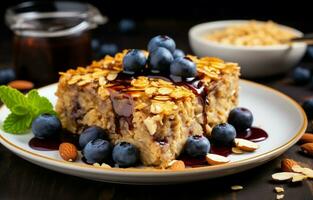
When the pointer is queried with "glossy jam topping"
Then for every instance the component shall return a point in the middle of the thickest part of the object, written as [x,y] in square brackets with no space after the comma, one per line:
[253,134]
[54,143]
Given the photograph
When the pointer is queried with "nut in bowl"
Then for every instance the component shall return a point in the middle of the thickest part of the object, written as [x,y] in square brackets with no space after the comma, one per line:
[257,59]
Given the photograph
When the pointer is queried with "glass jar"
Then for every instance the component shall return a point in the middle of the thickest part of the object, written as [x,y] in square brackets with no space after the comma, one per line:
[50,37]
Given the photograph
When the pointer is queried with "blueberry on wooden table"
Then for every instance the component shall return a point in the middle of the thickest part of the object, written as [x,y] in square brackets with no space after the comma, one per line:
[301,75]
[308,108]
[6,75]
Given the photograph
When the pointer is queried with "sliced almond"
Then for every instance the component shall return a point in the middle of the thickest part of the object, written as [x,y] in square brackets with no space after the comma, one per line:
[279,189]
[303,170]
[214,159]
[246,145]
[176,165]
[236,187]
[283,176]
[236,150]
[299,177]
[279,196]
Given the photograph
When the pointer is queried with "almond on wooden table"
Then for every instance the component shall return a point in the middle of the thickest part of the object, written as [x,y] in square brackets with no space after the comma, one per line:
[307,138]
[307,148]
[287,165]
[68,151]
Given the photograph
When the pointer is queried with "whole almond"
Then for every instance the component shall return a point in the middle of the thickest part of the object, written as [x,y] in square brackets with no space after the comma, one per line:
[307,148]
[21,85]
[307,138]
[68,151]
[287,164]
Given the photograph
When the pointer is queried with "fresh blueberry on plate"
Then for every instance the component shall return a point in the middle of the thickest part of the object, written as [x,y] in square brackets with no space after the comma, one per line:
[183,67]
[308,108]
[6,75]
[162,41]
[241,118]
[97,151]
[223,134]
[178,53]
[301,75]
[134,61]
[160,60]
[91,133]
[197,146]
[125,154]
[127,25]
[46,126]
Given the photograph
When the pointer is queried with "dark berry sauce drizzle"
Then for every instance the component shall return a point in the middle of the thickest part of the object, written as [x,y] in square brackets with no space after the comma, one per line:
[253,134]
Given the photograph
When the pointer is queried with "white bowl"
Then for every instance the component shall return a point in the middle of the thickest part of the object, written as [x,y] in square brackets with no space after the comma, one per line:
[256,61]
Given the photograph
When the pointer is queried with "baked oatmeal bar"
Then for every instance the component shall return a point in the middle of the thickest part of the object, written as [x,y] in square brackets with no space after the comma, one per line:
[153,113]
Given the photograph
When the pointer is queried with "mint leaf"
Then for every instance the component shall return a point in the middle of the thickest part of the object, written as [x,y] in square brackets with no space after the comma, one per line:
[17,123]
[39,104]
[20,110]
[12,97]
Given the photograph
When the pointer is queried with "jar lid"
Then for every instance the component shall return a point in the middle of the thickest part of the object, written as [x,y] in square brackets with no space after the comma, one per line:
[52,19]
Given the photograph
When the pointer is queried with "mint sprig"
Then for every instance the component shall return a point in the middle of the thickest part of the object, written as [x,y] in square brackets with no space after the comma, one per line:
[24,108]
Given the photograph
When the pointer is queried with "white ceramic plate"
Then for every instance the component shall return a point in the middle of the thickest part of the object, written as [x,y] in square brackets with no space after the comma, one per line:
[280,116]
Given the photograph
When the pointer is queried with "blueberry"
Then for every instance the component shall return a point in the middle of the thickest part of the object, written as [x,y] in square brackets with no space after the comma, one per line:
[308,108]
[6,75]
[95,44]
[240,118]
[197,146]
[301,75]
[46,126]
[97,151]
[127,25]
[223,134]
[183,67]
[125,154]
[162,41]
[108,49]
[160,60]
[310,51]
[134,61]
[178,53]
[91,133]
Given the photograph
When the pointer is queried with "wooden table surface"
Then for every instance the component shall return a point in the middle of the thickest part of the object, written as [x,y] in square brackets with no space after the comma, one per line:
[20,179]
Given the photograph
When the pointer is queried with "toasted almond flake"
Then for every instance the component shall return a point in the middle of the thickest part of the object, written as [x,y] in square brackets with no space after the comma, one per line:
[165,91]
[236,187]
[102,81]
[283,176]
[214,159]
[306,171]
[299,177]
[246,145]
[162,98]
[104,165]
[156,108]
[150,91]
[279,196]
[150,125]
[111,76]
[96,165]
[279,189]
[176,165]
[236,150]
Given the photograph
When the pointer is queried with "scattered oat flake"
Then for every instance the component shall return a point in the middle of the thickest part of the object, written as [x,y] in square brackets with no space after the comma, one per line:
[236,187]
[279,189]
[280,196]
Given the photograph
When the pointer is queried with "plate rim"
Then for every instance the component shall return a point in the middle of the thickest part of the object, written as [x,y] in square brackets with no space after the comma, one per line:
[46,160]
